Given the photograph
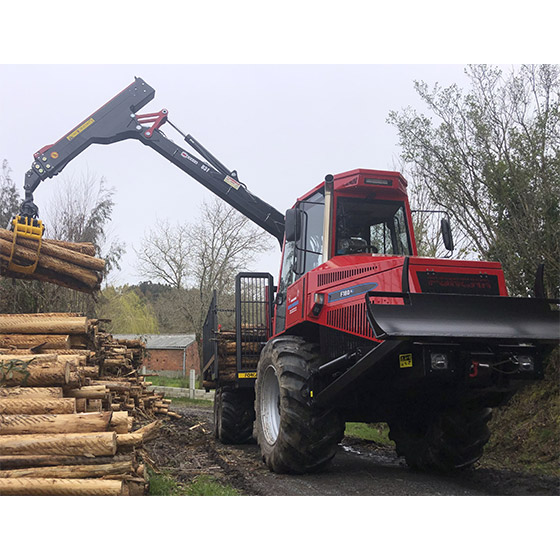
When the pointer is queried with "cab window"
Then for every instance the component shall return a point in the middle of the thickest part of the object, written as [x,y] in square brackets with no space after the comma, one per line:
[312,249]
[371,226]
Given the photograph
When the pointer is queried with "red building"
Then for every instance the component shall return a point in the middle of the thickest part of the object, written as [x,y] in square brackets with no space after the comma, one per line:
[173,355]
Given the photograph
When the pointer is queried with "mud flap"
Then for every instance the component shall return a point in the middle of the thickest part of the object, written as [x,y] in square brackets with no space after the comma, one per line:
[423,316]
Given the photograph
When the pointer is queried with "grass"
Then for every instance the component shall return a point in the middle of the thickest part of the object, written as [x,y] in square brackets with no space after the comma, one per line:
[378,433]
[163,381]
[192,402]
[164,484]
[205,485]
[526,432]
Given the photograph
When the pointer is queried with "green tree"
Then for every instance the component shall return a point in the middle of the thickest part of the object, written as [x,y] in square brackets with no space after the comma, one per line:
[490,157]
[127,310]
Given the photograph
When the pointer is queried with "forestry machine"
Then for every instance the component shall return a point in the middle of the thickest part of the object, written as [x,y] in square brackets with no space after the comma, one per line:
[360,328]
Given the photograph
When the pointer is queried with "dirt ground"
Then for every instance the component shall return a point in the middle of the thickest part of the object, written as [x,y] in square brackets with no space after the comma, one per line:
[186,449]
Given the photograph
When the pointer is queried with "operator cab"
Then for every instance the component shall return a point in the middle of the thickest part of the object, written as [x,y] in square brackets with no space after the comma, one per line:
[362,211]
[355,213]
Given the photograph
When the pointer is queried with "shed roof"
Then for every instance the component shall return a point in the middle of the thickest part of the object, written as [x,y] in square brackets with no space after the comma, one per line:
[161,341]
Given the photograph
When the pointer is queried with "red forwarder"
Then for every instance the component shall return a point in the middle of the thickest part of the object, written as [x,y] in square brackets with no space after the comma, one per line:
[359,328]
[365,330]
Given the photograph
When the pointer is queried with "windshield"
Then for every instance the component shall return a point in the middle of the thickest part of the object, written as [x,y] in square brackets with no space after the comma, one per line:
[371,226]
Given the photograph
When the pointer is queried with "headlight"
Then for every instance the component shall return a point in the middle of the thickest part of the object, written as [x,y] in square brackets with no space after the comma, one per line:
[439,361]
[318,301]
[526,363]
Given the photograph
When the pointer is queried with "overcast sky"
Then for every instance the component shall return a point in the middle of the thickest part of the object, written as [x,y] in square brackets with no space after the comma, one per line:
[282,127]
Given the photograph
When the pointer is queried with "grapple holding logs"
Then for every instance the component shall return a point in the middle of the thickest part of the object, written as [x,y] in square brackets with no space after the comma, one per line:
[25,254]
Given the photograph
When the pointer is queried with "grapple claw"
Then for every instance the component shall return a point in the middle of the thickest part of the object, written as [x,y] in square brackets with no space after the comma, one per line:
[28,228]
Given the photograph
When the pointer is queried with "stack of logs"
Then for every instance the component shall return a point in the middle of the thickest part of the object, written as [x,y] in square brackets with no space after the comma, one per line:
[253,341]
[69,394]
[109,367]
[72,265]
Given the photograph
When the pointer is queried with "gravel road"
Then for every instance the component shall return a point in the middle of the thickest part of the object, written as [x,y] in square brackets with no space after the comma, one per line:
[186,448]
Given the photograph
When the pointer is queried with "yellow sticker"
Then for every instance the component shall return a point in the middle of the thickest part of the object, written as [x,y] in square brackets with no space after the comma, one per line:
[232,182]
[80,129]
[405,360]
[247,375]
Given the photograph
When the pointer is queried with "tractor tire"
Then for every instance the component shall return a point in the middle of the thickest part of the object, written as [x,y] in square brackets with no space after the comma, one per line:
[453,440]
[293,437]
[234,415]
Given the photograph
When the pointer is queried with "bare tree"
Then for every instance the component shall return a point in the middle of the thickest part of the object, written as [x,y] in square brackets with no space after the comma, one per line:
[80,211]
[196,259]
[226,242]
[165,254]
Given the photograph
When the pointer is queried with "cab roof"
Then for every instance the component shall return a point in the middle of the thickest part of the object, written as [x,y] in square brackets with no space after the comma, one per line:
[365,178]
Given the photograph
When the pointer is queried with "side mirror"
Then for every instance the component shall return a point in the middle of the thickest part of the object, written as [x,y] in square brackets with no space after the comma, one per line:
[293,224]
[446,234]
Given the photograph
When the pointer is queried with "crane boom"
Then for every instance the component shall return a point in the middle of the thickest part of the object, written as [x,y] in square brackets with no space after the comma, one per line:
[119,120]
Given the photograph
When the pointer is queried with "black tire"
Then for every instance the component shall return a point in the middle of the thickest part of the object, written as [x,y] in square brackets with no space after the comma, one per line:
[453,440]
[293,437]
[234,415]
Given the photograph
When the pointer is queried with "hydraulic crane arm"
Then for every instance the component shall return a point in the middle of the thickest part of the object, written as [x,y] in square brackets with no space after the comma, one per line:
[118,120]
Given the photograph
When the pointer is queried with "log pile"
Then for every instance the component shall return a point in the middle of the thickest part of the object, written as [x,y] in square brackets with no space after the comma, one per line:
[47,449]
[72,265]
[227,352]
[69,394]
[108,368]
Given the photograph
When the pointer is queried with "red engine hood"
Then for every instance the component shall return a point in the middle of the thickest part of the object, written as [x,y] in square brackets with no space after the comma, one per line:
[422,273]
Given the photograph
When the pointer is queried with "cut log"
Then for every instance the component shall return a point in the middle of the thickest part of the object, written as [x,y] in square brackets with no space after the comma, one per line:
[135,487]
[64,252]
[79,341]
[126,440]
[30,374]
[37,406]
[83,247]
[75,379]
[26,461]
[89,392]
[113,385]
[57,423]
[88,277]
[81,405]
[120,422]
[150,431]
[91,444]
[60,487]
[6,356]
[71,471]
[39,323]
[43,275]
[45,341]
[31,392]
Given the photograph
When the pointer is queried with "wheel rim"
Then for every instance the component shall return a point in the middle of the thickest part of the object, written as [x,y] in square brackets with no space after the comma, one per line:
[270,405]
